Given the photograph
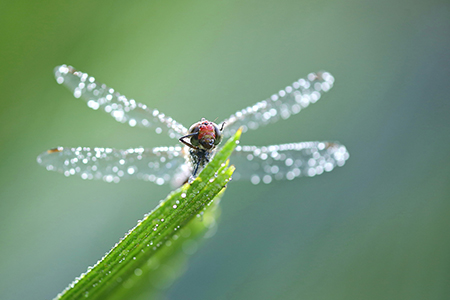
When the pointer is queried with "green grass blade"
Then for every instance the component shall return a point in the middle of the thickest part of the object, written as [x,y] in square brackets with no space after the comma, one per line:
[126,270]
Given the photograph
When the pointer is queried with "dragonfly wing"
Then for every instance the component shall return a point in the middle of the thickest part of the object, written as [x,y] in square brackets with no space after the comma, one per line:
[159,165]
[287,161]
[285,103]
[99,96]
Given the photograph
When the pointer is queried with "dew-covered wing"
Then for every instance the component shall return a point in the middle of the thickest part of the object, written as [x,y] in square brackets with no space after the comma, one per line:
[286,161]
[159,165]
[282,105]
[99,96]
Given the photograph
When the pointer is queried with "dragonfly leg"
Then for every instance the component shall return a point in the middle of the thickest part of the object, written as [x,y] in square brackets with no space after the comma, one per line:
[181,139]
[199,159]
[194,173]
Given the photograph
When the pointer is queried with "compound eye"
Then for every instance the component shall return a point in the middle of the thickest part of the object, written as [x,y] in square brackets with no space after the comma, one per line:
[194,129]
[218,135]
[194,140]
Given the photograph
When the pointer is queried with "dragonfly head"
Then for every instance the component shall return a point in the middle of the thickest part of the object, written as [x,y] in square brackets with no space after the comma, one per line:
[208,134]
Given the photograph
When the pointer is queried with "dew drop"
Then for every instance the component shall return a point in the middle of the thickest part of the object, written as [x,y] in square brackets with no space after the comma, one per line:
[267,179]
[255,179]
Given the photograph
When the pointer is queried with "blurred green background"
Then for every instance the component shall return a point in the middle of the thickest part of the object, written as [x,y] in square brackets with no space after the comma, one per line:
[375,229]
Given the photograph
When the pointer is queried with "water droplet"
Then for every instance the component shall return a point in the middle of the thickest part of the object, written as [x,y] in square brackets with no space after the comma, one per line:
[255,179]
[267,179]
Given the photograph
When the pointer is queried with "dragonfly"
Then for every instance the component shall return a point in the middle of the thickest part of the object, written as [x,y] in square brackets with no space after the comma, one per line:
[176,164]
